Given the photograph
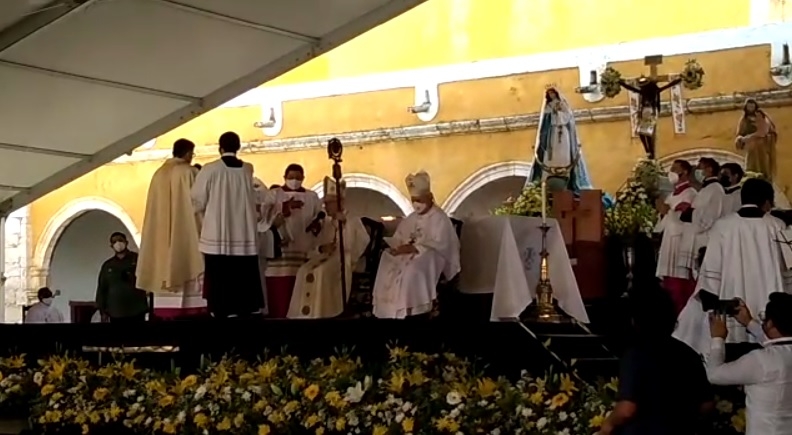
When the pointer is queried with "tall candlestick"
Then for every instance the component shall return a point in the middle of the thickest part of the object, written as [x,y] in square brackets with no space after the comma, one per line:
[544,202]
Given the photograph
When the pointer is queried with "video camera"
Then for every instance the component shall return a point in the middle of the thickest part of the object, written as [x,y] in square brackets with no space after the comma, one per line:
[711,302]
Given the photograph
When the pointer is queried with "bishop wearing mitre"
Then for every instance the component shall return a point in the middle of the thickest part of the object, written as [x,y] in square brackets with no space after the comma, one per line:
[317,292]
[170,264]
[424,247]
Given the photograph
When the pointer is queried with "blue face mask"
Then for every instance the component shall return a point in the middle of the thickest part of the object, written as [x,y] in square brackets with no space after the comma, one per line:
[699,175]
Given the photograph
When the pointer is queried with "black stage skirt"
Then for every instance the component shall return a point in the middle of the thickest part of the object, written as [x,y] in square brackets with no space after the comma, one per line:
[232,285]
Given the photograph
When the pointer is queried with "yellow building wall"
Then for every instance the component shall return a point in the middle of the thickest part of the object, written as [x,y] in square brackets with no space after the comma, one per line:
[452,31]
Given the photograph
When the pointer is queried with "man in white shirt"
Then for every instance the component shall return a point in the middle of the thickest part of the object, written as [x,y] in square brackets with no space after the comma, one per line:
[43,311]
[701,215]
[730,176]
[676,280]
[223,193]
[743,260]
[424,247]
[299,209]
[765,373]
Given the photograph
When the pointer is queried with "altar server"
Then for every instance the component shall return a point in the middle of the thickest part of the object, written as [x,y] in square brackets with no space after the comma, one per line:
[743,260]
[317,293]
[224,193]
[730,177]
[299,209]
[676,280]
[43,311]
[170,264]
[424,247]
[701,215]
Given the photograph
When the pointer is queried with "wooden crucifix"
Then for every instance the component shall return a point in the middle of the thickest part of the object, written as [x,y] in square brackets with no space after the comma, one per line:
[649,90]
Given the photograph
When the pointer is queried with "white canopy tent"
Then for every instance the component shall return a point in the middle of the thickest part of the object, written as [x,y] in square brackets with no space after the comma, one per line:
[84,81]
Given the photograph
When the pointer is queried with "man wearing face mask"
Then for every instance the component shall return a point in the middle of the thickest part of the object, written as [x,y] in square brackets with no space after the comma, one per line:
[743,261]
[43,311]
[676,280]
[117,296]
[298,209]
[701,215]
[766,373]
[730,176]
[424,247]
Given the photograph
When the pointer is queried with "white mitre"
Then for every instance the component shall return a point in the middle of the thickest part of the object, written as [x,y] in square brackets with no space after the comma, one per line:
[419,184]
[331,188]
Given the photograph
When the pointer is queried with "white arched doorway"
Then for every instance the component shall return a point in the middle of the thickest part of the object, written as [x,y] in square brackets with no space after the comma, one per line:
[75,243]
[721,156]
[487,188]
[371,196]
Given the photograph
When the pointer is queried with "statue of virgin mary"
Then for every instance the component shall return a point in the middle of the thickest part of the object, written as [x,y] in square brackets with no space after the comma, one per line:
[557,150]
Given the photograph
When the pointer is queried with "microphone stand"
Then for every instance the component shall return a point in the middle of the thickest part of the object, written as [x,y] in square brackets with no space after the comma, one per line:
[334,151]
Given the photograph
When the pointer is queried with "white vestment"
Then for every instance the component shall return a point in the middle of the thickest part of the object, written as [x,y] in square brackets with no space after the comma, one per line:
[732,201]
[43,313]
[743,260]
[226,198]
[317,292]
[672,229]
[406,285]
[297,242]
[266,249]
[707,208]
[560,153]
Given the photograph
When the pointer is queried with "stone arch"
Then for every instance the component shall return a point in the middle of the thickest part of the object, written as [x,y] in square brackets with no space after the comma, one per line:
[45,246]
[371,182]
[483,176]
[722,156]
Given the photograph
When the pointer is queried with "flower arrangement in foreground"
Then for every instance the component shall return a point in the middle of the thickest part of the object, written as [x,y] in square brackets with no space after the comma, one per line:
[414,393]
[528,203]
[634,211]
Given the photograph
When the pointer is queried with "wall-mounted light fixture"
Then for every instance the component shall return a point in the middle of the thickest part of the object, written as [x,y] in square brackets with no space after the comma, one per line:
[269,123]
[590,68]
[271,118]
[781,65]
[423,107]
[427,101]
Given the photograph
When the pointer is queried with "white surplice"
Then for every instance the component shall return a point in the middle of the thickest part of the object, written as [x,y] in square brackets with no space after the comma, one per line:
[672,229]
[406,285]
[317,292]
[298,242]
[707,209]
[43,313]
[743,260]
[732,201]
[266,202]
[226,198]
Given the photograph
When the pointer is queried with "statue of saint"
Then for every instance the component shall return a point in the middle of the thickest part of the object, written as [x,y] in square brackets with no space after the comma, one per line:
[557,150]
[757,136]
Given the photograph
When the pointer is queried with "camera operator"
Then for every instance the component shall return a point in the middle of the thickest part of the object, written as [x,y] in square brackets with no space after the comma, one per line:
[765,373]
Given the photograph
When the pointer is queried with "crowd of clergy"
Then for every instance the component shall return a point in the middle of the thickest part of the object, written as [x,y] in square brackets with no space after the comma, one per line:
[217,239]
[720,236]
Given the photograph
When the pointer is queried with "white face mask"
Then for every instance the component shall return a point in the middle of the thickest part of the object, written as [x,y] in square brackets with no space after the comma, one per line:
[293,184]
[419,207]
[673,177]
[119,246]
[47,301]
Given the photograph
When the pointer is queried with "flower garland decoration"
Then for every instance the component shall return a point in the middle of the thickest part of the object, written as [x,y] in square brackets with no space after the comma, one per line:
[610,82]
[692,75]
[528,203]
[634,211]
[748,175]
[414,393]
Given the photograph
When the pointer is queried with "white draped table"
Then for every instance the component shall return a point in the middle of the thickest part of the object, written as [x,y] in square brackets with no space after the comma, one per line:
[500,255]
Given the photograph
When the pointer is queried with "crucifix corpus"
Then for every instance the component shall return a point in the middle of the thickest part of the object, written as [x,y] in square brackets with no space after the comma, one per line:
[649,90]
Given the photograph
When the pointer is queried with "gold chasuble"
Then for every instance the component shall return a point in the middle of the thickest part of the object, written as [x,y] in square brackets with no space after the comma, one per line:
[170,264]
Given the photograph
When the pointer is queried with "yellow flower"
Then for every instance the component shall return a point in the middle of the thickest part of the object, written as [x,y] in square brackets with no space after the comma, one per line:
[447,424]
[100,393]
[47,390]
[312,420]
[311,392]
[128,371]
[166,401]
[189,381]
[168,427]
[379,430]
[263,429]
[396,382]
[537,397]
[486,387]
[559,400]
[94,417]
[201,420]
[15,362]
[85,429]
[408,424]
[340,424]
[567,384]
[320,431]
[224,425]
[397,353]
[738,421]
[416,377]
[724,407]
[596,421]
[267,370]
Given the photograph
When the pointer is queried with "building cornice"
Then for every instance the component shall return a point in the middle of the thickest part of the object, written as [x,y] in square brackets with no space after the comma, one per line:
[499,124]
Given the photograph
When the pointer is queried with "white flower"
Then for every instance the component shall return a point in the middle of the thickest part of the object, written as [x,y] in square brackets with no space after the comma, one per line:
[453,398]
[563,432]
[246,396]
[200,392]
[527,412]
[354,394]
[38,378]
[562,416]
[542,422]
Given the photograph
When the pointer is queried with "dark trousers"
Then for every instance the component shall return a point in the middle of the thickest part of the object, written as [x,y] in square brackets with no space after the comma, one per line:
[132,319]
